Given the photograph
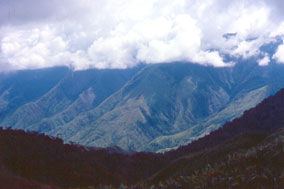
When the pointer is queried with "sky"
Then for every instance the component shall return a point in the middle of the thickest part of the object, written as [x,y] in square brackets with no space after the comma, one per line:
[123,33]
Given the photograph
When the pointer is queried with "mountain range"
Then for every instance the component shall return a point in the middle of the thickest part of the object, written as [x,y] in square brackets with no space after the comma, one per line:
[147,108]
[244,153]
[153,108]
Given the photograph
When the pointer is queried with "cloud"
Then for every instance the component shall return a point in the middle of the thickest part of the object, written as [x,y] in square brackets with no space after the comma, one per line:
[247,48]
[279,55]
[120,34]
[34,49]
[264,61]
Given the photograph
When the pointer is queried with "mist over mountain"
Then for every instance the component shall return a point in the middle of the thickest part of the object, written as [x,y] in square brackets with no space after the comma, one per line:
[163,101]
[147,108]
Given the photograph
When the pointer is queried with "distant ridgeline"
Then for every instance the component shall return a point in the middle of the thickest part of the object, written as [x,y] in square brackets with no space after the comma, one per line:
[247,152]
[153,108]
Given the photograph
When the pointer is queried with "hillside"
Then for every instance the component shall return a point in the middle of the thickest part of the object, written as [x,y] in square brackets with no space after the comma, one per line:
[148,108]
[247,161]
[64,99]
[37,160]
[19,88]
[169,105]
[246,152]
[255,140]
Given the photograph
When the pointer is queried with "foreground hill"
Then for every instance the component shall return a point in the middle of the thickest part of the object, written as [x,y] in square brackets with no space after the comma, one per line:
[37,159]
[247,161]
[245,153]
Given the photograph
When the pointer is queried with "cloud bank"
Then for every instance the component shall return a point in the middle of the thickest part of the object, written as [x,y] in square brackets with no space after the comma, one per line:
[120,34]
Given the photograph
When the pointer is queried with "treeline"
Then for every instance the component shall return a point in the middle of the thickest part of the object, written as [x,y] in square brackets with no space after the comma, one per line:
[48,160]
[260,166]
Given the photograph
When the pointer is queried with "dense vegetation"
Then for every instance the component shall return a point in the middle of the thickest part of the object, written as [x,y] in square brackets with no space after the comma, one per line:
[48,160]
[260,166]
[245,153]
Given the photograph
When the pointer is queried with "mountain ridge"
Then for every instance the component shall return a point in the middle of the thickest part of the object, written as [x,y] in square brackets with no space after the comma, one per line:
[249,147]
[160,112]
[148,108]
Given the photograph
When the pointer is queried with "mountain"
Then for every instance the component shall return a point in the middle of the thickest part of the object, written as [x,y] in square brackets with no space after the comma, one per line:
[251,160]
[266,118]
[249,150]
[19,88]
[66,95]
[147,108]
[168,105]
[245,153]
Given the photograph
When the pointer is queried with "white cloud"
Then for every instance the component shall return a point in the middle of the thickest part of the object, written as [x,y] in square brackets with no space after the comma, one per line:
[211,58]
[121,34]
[264,61]
[34,49]
[248,49]
[279,55]
[279,31]
[178,40]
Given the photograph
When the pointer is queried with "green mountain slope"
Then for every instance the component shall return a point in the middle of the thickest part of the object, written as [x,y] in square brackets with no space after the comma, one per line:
[168,105]
[152,108]
[21,87]
[213,122]
[74,93]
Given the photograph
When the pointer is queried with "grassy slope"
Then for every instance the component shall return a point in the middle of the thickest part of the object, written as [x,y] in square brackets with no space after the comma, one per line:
[75,93]
[161,107]
[165,106]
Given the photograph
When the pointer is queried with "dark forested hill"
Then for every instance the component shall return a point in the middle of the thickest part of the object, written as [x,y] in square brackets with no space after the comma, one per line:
[40,159]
